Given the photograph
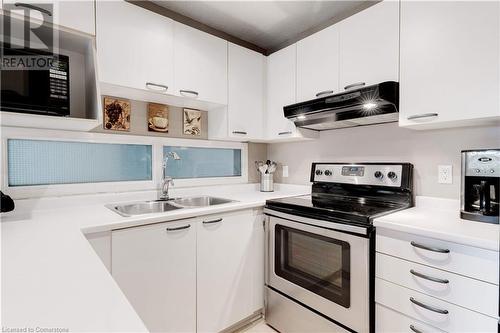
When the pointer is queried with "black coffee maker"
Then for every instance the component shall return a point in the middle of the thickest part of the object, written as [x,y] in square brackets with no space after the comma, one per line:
[480,185]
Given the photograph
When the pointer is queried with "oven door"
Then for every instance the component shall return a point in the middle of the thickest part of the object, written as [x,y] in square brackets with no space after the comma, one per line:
[326,270]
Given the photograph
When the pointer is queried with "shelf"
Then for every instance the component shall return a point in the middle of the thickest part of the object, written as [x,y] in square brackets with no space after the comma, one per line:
[49,122]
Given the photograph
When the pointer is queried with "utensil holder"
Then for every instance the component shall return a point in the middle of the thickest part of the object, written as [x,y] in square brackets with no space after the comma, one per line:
[266,182]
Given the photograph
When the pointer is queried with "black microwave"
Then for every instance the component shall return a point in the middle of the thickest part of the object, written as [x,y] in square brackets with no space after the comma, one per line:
[34,81]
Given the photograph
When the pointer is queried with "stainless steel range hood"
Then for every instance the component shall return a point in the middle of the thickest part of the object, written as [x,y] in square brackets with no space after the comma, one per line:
[368,105]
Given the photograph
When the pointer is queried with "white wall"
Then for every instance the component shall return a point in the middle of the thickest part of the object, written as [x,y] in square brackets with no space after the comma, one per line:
[388,142]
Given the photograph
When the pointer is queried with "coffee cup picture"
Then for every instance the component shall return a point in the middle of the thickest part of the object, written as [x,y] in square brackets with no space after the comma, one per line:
[160,122]
[157,117]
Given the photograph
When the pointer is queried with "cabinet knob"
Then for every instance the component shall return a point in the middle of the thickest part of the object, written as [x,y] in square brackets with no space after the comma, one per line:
[154,86]
[179,228]
[30,6]
[190,93]
[422,115]
[213,221]
[354,85]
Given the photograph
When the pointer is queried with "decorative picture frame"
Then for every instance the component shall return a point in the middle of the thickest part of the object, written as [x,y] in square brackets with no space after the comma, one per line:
[116,114]
[158,120]
[192,122]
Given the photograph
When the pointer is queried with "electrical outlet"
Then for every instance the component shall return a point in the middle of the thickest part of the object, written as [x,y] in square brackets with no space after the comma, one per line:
[445,174]
[285,171]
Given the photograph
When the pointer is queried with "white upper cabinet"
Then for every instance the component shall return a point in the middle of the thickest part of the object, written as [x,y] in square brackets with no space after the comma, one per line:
[281,91]
[318,64]
[200,69]
[134,47]
[155,267]
[449,63]
[76,15]
[369,45]
[246,92]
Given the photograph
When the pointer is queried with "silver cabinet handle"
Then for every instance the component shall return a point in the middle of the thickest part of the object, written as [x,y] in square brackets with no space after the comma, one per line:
[240,132]
[30,6]
[323,93]
[151,84]
[429,248]
[189,92]
[422,115]
[428,307]
[179,228]
[212,221]
[354,85]
[285,133]
[430,278]
[416,330]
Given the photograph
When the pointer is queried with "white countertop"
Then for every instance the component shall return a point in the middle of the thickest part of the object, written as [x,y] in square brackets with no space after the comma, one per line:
[52,278]
[440,218]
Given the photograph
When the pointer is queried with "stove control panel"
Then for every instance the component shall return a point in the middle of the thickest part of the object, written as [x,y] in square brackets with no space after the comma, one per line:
[361,174]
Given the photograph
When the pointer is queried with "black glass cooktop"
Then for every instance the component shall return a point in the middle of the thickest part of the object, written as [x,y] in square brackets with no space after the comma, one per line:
[358,210]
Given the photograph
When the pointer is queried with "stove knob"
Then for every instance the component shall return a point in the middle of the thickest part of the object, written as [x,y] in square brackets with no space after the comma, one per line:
[378,175]
[492,171]
[328,172]
[319,172]
[478,170]
[392,175]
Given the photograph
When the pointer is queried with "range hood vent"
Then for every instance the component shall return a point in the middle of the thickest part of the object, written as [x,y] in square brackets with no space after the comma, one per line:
[368,105]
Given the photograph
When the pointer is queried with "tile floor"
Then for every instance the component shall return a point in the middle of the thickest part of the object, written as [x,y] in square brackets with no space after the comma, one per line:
[258,327]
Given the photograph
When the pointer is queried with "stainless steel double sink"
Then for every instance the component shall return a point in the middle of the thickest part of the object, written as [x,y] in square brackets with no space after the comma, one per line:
[161,206]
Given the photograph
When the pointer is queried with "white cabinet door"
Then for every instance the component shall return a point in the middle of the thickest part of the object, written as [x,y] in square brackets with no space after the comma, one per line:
[76,15]
[246,84]
[281,91]
[369,45]
[155,266]
[200,63]
[230,262]
[318,64]
[449,63]
[134,47]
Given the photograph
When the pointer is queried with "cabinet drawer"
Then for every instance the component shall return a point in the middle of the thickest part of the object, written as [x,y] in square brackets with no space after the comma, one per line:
[391,321]
[444,285]
[453,319]
[466,260]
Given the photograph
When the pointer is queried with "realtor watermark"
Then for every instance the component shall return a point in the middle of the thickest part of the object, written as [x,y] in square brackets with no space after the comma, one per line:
[29,38]
[29,25]
[34,329]
[33,62]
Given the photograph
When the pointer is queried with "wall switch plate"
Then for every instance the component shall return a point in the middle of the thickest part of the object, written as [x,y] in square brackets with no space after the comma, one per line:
[285,171]
[445,174]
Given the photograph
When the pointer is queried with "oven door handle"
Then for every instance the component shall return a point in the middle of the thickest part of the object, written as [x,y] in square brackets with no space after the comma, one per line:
[337,226]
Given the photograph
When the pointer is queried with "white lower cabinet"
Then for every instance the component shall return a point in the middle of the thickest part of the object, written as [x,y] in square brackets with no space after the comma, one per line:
[230,267]
[203,274]
[434,285]
[155,266]
[391,321]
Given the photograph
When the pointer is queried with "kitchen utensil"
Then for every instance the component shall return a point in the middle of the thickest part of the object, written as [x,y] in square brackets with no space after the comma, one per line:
[272,167]
[263,168]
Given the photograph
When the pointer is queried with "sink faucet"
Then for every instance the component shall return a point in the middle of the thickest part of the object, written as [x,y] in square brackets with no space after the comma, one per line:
[166,180]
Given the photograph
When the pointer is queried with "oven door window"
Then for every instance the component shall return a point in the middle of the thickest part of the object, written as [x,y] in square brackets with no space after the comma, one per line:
[314,262]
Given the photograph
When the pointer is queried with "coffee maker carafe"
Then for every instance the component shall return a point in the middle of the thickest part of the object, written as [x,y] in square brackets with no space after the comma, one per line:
[480,185]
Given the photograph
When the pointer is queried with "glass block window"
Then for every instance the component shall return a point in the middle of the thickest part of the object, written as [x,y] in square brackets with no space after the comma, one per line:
[38,162]
[203,162]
